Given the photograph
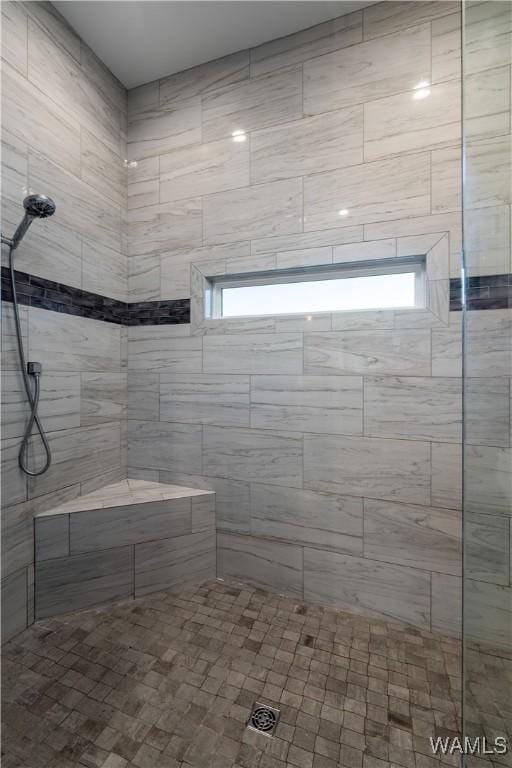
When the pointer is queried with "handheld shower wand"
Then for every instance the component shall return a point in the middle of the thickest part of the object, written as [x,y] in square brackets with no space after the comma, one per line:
[36,207]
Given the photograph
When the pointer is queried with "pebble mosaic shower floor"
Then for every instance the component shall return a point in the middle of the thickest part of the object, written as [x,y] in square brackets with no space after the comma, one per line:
[170,680]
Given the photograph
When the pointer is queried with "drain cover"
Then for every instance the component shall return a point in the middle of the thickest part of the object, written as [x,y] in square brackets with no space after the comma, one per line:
[264,719]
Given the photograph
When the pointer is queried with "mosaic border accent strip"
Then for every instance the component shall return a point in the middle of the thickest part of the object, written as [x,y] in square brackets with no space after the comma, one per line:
[484,292]
[39,292]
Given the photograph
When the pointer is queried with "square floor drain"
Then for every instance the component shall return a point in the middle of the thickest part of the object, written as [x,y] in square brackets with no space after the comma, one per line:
[264,719]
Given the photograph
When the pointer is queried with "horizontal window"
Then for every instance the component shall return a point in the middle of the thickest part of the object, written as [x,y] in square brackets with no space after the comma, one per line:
[336,288]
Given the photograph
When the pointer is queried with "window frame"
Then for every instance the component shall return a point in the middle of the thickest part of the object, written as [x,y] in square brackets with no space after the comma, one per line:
[216,284]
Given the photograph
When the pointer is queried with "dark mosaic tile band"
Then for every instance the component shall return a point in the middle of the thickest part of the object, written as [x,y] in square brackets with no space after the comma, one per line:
[38,292]
[485,292]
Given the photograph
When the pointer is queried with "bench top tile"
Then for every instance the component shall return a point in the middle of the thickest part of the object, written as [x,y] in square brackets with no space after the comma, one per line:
[124,493]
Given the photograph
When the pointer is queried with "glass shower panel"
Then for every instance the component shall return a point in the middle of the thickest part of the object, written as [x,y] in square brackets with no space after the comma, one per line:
[487,357]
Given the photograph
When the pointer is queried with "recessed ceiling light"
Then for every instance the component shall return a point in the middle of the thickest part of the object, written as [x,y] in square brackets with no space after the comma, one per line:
[239,135]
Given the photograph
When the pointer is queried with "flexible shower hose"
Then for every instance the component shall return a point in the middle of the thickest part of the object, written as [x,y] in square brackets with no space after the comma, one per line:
[32,396]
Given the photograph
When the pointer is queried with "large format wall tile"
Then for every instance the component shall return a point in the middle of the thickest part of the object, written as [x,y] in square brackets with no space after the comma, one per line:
[424,123]
[381,352]
[14,604]
[17,537]
[420,537]
[161,445]
[120,526]
[83,581]
[386,18]
[203,169]
[15,36]
[250,454]
[398,470]
[205,399]
[367,71]
[487,479]
[270,564]
[176,224]
[154,131]
[206,77]
[367,587]
[264,209]
[447,475]
[306,146]
[103,397]
[165,349]
[413,407]
[253,353]
[332,404]
[446,604]
[255,103]
[321,520]
[308,43]
[168,563]
[59,403]
[51,537]
[378,191]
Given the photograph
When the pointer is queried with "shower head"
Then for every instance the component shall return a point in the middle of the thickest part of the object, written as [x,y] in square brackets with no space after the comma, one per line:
[36,207]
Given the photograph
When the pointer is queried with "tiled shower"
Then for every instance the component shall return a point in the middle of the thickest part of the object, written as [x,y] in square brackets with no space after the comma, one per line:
[332,485]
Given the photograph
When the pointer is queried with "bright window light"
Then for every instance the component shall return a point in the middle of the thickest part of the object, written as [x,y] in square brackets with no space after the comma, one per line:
[329,290]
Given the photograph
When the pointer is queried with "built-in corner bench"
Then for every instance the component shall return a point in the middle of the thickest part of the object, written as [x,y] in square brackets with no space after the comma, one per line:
[124,540]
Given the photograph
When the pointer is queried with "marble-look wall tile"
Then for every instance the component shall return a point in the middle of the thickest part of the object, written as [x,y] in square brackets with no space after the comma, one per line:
[269,564]
[414,408]
[377,191]
[447,475]
[168,563]
[317,239]
[446,48]
[446,179]
[164,349]
[487,343]
[78,344]
[398,470]
[487,37]
[144,183]
[143,396]
[307,44]
[367,251]
[322,520]
[487,240]
[78,454]
[310,145]
[420,537]
[232,503]
[154,228]
[332,404]
[362,586]
[423,123]
[488,173]
[251,104]
[156,130]
[102,168]
[103,397]
[144,277]
[371,70]
[487,479]
[446,604]
[55,25]
[204,78]
[253,353]
[203,513]
[405,352]
[14,483]
[59,403]
[107,84]
[14,36]
[39,122]
[205,399]
[162,445]
[17,537]
[104,270]
[487,548]
[203,169]
[383,18]
[487,411]
[83,581]
[14,604]
[488,616]
[121,526]
[253,455]
[51,537]
[264,209]
[447,349]
[487,103]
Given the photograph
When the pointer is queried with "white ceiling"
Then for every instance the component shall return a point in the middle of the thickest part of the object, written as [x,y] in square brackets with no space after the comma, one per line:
[142,41]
